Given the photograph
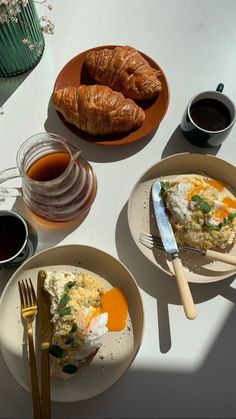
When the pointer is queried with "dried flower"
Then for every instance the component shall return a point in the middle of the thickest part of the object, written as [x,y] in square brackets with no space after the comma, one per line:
[10,11]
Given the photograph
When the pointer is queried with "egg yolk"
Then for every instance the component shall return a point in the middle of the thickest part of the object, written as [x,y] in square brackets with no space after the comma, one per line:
[215,183]
[195,191]
[220,214]
[229,202]
[115,304]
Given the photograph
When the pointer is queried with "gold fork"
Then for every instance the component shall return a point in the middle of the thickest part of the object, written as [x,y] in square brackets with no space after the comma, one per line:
[29,310]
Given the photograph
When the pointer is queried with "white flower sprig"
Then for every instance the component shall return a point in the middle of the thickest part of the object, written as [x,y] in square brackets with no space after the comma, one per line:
[10,12]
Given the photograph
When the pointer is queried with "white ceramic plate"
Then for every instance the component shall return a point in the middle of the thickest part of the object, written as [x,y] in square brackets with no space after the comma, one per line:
[141,218]
[118,349]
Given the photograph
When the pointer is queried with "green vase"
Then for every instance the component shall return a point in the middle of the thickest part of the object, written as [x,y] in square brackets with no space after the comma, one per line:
[21,41]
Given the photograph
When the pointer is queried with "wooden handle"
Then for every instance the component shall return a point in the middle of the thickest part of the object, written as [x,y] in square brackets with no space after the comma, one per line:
[184,290]
[221,256]
[34,377]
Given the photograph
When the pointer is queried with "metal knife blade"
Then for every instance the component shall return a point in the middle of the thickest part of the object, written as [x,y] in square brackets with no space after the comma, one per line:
[170,246]
[164,225]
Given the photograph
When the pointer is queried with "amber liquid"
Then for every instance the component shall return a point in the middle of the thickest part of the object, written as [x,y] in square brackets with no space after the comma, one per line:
[49,167]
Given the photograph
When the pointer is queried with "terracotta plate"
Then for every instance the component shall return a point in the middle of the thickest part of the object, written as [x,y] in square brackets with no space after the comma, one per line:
[75,74]
[118,348]
[141,218]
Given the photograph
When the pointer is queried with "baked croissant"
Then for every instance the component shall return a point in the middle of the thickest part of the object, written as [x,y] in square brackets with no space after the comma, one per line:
[98,110]
[124,69]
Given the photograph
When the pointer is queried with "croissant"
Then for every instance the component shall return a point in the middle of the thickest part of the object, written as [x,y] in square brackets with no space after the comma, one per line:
[124,69]
[98,110]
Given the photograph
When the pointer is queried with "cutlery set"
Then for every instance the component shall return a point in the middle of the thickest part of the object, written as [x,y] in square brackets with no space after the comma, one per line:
[29,311]
[170,246]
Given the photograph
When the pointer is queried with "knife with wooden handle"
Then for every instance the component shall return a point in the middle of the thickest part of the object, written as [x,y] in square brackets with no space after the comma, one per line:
[170,246]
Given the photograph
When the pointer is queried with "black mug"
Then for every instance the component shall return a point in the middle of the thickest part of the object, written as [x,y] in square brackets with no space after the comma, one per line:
[208,118]
[18,239]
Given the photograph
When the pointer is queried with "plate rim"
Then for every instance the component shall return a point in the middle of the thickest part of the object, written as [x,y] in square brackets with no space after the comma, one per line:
[25,267]
[119,142]
[138,181]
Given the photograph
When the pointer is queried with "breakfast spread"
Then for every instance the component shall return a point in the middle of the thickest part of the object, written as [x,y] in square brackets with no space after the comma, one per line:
[202,211]
[82,311]
[124,69]
[98,110]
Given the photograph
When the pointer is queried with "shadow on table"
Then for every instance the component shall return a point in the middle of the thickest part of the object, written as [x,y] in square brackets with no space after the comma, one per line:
[160,285]
[8,85]
[178,144]
[154,390]
[91,151]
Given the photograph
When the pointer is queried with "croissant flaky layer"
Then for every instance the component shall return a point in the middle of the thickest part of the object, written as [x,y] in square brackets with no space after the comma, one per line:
[98,110]
[125,70]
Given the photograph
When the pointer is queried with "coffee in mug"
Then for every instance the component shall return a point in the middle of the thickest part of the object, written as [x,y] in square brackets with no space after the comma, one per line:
[208,118]
[13,238]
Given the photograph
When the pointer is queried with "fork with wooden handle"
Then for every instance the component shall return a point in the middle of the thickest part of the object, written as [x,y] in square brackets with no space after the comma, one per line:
[29,310]
[151,241]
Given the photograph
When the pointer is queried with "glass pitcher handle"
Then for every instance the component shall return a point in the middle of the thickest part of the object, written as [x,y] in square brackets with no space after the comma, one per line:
[8,174]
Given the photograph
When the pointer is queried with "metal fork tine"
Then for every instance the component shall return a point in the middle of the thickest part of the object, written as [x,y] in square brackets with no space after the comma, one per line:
[153,239]
[149,242]
[150,246]
[32,293]
[29,292]
[21,294]
[26,293]
[156,241]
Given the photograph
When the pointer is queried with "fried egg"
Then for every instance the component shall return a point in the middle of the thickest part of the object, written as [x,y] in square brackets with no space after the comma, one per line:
[77,319]
[202,207]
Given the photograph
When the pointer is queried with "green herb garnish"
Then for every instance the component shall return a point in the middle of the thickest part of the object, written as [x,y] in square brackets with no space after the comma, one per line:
[74,328]
[196,198]
[56,351]
[212,226]
[69,285]
[69,369]
[165,185]
[227,220]
[232,216]
[69,340]
[66,311]
[64,300]
[205,207]
[63,310]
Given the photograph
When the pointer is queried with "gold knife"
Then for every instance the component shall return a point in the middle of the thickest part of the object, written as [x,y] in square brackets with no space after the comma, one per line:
[43,301]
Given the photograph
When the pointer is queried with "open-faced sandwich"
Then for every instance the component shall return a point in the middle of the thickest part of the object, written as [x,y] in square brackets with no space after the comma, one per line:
[82,311]
[202,211]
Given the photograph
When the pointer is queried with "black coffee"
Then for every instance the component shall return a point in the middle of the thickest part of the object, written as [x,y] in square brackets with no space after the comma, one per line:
[12,236]
[210,114]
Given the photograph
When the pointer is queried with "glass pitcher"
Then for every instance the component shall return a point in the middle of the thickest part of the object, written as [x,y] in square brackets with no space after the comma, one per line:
[56,183]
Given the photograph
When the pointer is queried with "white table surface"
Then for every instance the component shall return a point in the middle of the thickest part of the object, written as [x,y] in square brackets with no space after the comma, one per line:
[184,369]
